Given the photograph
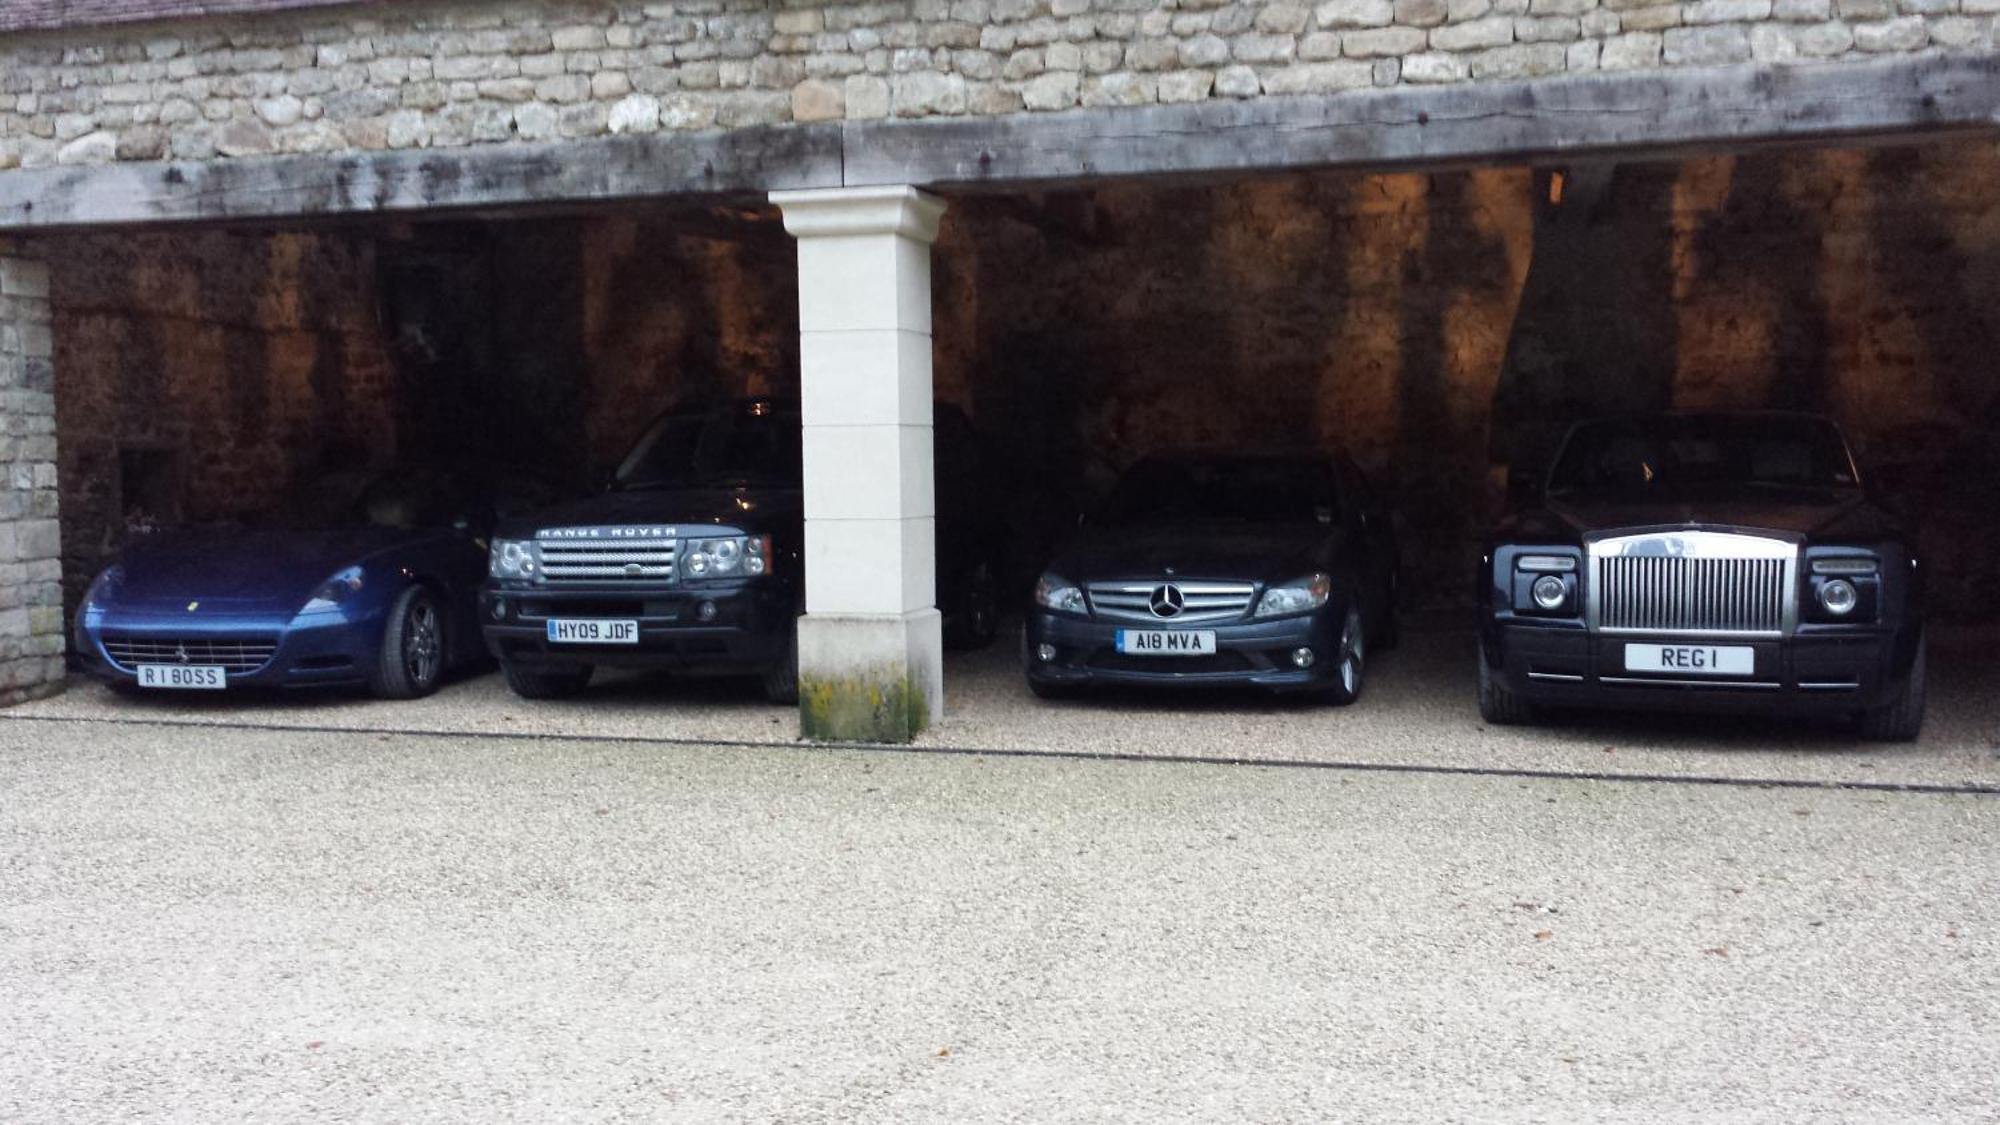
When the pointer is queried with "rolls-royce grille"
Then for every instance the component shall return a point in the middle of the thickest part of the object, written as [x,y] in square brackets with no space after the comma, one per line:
[1171,603]
[1692,595]
[233,655]
[649,561]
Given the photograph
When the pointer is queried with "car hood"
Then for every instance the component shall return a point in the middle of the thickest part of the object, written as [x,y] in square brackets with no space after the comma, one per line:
[1809,515]
[1261,553]
[246,570]
[754,510]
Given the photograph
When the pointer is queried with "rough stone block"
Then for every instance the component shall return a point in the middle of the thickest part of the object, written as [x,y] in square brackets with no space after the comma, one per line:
[1706,46]
[24,278]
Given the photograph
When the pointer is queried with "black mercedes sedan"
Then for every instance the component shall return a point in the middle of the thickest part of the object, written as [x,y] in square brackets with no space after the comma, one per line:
[1721,561]
[1275,572]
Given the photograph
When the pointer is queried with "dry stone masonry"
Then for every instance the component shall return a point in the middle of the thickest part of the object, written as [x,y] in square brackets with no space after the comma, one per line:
[31,614]
[418,75]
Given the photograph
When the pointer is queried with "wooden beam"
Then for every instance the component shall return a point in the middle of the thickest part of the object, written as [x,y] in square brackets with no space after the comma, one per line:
[1651,114]
[1644,115]
[738,162]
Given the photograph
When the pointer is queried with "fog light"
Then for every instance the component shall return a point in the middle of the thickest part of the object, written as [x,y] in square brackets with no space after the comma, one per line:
[1550,592]
[1045,653]
[705,611]
[499,609]
[1303,657]
[1838,597]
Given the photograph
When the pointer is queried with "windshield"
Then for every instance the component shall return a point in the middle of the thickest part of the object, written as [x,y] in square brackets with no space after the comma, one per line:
[1223,490]
[1662,455]
[756,443]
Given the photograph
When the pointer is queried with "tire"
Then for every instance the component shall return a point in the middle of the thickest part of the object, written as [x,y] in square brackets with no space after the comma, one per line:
[781,680]
[1902,718]
[1498,706]
[977,621]
[411,661]
[544,683]
[1350,674]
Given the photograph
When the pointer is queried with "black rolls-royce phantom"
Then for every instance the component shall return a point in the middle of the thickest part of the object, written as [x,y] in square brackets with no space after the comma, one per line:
[1729,561]
[1273,572]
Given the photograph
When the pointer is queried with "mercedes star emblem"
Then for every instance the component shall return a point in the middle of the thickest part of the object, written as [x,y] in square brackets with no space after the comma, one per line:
[1167,601]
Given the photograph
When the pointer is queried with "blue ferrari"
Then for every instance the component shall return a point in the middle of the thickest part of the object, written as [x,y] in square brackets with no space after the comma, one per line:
[385,600]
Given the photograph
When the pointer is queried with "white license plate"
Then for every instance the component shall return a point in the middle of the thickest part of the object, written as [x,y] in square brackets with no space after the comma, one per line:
[574,632]
[182,677]
[1692,660]
[1165,642]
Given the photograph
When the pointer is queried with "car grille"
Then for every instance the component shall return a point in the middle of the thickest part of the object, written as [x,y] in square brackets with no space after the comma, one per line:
[1710,589]
[232,654]
[1201,601]
[600,561]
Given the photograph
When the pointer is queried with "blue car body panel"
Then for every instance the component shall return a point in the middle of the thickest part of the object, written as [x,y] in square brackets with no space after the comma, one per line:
[237,599]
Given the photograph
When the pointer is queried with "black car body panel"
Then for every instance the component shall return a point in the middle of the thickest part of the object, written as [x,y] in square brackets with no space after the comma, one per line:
[1349,540]
[1809,662]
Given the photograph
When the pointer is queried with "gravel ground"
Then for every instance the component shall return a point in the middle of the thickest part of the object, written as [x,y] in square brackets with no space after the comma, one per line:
[1419,711]
[204,924]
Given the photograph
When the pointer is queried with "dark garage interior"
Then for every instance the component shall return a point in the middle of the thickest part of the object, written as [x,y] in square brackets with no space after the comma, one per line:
[1442,327]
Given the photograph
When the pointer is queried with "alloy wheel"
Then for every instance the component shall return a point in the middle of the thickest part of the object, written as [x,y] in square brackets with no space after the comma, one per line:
[1353,653]
[423,642]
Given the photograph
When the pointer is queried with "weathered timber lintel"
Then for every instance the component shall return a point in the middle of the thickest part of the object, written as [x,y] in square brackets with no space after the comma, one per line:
[1643,115]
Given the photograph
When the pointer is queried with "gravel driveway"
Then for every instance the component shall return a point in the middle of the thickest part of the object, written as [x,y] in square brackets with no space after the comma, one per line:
[211,924]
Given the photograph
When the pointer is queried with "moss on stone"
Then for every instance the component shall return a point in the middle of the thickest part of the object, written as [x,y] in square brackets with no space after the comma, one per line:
[888,707]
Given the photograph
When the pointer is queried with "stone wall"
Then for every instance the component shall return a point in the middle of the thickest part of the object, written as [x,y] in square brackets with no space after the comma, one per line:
[31,619]
[416,74]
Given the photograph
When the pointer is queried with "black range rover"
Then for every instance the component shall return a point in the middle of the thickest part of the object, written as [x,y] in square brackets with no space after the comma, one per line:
[693,559]
[1276,572]
[1728,561]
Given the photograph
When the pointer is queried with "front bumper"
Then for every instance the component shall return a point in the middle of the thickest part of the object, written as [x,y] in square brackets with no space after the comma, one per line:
[1816,671]
[317,650]
[1252,653]
[749,629]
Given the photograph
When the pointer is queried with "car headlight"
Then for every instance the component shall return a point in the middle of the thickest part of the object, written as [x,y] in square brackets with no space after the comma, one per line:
[1550,592]
[1838,596]
[105,585]
[1057,593]
[335,590]
[734,556]
[1303,596]
[513,558]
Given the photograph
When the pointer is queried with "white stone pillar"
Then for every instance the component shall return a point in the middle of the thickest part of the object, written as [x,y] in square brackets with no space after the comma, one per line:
[871,643]
[31,608]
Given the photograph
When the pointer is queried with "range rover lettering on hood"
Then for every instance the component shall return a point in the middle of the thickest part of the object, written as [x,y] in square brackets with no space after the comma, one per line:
[606,533]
